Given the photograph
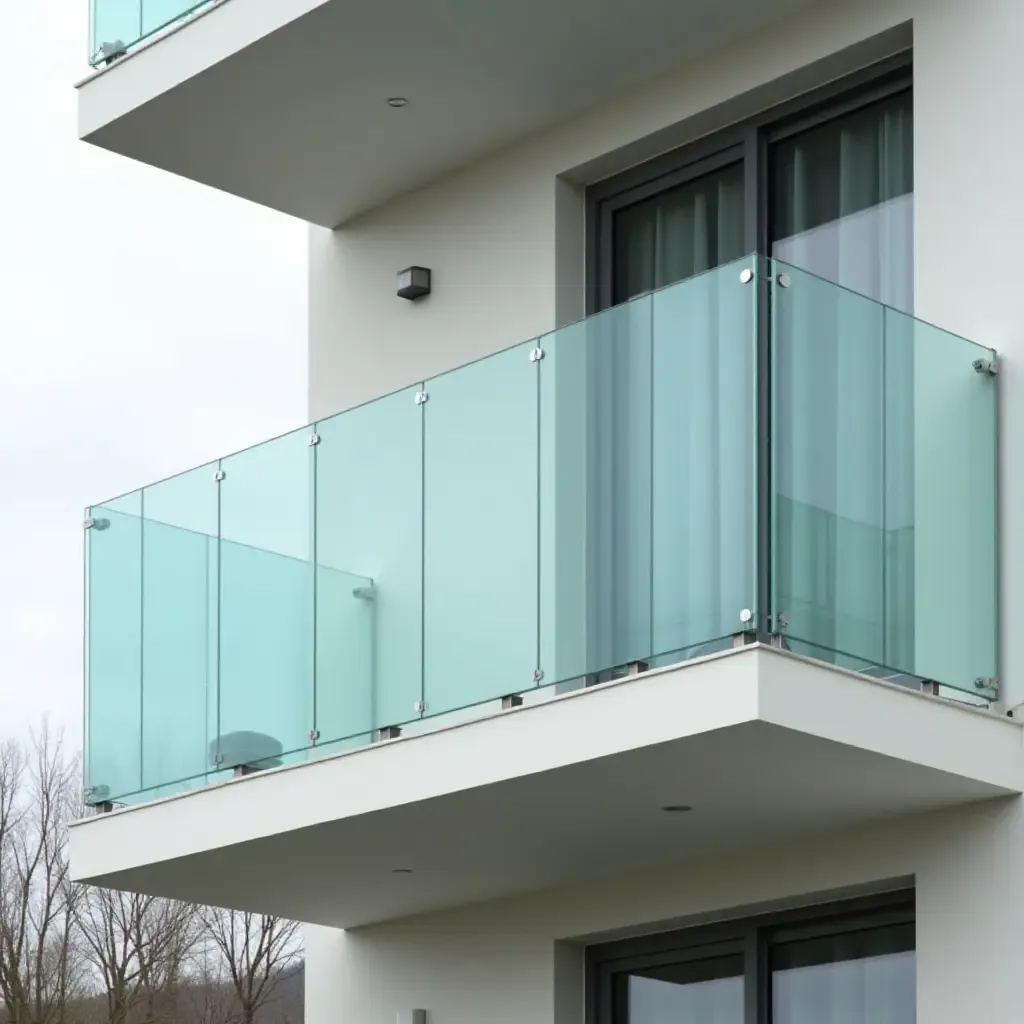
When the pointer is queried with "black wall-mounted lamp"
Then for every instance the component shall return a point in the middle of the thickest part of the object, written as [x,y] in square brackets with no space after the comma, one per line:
[414,282]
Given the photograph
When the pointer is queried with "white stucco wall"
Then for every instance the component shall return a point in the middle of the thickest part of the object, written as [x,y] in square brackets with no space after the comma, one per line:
[522,959]
[505,236]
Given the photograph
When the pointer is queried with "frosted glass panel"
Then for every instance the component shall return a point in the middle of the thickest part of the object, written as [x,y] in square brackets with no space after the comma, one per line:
[829,499]
[703,414]
[480,531]
[179,674]
[266,601]
[114,650]
[595,458]
[884,501]
[369,514]
[688,993]
[857,978]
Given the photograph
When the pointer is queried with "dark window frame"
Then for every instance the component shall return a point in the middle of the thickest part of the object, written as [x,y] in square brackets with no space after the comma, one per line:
[748,140]
[753,937]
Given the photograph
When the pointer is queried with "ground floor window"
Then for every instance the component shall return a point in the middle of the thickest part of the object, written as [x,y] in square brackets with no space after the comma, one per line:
[849,963]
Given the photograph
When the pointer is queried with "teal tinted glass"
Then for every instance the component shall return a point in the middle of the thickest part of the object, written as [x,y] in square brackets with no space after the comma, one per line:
[369,522]
[179,627]
[703,410]
[114,649]
[266,601]
[884,456]
[942,530]
[480,530]
[595,501]
[830,499]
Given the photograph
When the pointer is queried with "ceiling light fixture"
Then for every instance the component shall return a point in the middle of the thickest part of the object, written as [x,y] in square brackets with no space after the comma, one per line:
[677,808]
[397,101]
[401,871]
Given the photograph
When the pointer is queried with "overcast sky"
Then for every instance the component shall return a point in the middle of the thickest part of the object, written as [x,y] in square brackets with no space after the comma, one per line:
[147,324]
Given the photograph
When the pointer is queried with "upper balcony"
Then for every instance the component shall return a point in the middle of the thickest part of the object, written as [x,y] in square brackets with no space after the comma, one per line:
[285,102]
[623,495]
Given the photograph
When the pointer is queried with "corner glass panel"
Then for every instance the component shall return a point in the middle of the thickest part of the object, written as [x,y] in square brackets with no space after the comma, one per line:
[704,460]
[179,628]
[480,531]
[884,454]
[115,25]
[947,418]
[369,522]
[829,467]
[114,650]
[266,602]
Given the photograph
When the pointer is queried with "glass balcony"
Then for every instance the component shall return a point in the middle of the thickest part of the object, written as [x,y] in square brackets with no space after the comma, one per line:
[623,493]
[115,26]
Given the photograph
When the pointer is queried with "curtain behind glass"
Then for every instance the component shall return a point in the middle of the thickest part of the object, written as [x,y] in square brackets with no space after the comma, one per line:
[679,233]
[859,978]
[843,202]
[842,198]
[672,236]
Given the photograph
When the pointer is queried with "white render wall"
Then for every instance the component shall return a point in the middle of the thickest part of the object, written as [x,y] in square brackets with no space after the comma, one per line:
[505,236]
[521,960]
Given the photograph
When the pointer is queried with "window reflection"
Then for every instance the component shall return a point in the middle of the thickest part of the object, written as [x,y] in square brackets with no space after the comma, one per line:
[843,201]
[858,978]
[703,992]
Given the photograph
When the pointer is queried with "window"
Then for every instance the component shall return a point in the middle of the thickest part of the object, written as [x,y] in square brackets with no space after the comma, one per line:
[851,963]
[842,201]
[825,184]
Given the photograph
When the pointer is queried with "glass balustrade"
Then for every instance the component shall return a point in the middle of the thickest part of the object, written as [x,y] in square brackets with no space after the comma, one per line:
[117,25]
[562,513]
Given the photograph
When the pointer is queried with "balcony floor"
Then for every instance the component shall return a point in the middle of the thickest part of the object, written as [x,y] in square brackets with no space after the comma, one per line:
[762,744]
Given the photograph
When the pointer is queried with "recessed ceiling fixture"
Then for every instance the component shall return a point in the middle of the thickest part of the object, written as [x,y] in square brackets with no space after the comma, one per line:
[676,808]
[397,101]
[401,871]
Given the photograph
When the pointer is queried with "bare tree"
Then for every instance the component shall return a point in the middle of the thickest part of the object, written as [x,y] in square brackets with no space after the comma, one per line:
[140,949]
[40,973]
[255,951]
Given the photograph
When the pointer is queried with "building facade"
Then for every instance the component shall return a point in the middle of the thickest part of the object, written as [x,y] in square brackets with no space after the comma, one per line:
[629,638]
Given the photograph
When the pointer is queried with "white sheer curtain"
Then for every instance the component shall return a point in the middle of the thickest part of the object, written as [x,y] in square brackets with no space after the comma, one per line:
[857,978]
